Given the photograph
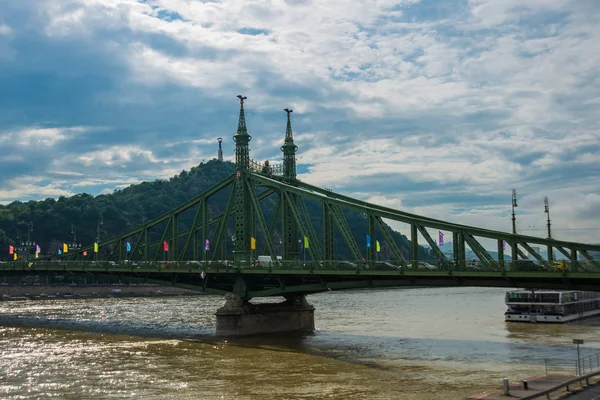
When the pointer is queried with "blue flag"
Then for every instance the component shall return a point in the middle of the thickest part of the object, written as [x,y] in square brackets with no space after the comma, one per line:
[59,252]
[128,247]
[368,241]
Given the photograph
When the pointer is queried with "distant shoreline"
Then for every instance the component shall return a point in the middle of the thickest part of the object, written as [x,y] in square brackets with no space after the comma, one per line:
[56,292]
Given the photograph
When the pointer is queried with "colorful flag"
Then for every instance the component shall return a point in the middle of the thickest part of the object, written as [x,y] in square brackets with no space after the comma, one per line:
[165,246]
[65,248]
[59,252]
[306,242]
[128,247]
[207,245]
[85,253]
[252,243]
[377,247]
[15,255]
[11,249]
[441,238]
[37,248]
[95,247]
[368,241]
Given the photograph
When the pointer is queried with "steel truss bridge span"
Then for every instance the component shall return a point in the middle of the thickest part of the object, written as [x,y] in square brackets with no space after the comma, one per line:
[182,265]
[262,232]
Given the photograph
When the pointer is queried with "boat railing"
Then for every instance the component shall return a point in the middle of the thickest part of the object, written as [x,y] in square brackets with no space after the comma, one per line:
[512,297]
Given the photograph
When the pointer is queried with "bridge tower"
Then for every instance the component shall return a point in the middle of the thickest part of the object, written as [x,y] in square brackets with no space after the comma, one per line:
[237,316]
[289,229]
[243,208]
[289,150]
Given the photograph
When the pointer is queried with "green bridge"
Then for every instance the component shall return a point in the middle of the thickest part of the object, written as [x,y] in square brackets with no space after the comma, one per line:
[279,249]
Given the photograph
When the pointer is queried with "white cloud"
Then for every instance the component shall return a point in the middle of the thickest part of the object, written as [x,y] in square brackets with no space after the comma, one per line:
[5,30]
[499,95]
[40,137]
[30,187]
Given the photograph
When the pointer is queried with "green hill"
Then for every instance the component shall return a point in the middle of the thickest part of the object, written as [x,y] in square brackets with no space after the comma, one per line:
[53,221]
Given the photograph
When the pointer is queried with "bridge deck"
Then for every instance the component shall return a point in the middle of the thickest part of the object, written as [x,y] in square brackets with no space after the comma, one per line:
[298,278]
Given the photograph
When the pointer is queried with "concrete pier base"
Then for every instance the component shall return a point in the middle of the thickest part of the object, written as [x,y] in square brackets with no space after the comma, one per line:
[241,318]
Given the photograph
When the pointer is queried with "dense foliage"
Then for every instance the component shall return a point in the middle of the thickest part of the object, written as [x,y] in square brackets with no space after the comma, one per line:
[51,222]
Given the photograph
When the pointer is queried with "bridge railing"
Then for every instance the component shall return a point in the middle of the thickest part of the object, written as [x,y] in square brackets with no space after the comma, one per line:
[312,265]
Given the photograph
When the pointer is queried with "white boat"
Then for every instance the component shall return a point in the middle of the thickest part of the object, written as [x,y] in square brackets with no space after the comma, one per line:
[554,306]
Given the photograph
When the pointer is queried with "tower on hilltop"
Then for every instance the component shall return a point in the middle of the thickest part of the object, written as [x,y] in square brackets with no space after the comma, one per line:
[220,153]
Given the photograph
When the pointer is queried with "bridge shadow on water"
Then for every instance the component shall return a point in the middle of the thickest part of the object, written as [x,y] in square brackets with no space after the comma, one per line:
[145,330]
[376,351]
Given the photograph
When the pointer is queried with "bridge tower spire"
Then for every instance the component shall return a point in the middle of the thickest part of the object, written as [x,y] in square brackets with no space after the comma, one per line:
[289,229]
[242,140]
[289,150]
[243,207]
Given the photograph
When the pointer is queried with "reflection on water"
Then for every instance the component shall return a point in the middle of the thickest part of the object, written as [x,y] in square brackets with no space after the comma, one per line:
[443,343]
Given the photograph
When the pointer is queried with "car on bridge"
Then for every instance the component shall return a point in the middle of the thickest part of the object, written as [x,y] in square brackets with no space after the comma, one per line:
[425,265]
[560,266]
[346,265]
[527,265]
[384,265]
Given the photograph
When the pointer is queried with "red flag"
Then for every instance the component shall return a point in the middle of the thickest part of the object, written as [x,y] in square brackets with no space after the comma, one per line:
[85,253]
[165,246]
[11,249]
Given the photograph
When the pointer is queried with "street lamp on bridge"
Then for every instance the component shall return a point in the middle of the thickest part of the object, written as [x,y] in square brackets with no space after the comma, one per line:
[74,244]
[547,211]
[100,223]
[514,218]
[25,247]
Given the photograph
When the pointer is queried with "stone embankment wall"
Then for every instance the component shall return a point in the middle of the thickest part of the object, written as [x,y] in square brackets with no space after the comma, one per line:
[49,292]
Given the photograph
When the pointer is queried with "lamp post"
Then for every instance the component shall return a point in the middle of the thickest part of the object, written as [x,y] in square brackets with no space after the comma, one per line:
[74,244]
[514,218]
[100,223]
[547,211]
[25,247]
[30,243]
[19,245]
[578,342]
[233,247]
[303,250]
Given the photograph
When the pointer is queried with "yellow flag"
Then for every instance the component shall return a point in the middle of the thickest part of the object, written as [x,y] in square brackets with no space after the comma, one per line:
[306,242]
[65,248]
[377,246]
[252,243]
[95,247]
[37,255]
[15,255]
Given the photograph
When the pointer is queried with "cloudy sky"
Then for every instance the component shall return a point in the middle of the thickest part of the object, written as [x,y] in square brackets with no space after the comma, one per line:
[437,108]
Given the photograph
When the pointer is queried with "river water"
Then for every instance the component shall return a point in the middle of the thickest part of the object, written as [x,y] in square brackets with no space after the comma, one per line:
[429,343]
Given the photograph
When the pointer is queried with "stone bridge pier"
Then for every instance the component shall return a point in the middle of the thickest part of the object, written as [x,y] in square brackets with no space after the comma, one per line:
[239,318]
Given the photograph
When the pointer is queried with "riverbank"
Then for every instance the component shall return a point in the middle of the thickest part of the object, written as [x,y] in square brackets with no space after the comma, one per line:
[54,292]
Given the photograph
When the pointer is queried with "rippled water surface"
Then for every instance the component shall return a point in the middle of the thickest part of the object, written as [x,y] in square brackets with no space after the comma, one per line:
[442,343]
